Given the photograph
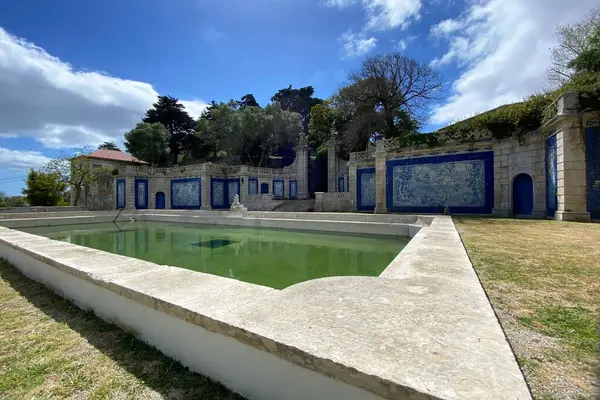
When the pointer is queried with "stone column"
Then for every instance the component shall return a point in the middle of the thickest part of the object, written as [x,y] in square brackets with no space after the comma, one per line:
[380,184]
[332,164]
[571,173]
[243,184]
[205,197]
[129,188]
[301,167]
[352,187]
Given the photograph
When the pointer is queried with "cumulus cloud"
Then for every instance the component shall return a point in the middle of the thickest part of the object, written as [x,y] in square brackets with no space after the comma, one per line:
[384,14]
[47,99]
[21,160]
[356,44]
[503,48]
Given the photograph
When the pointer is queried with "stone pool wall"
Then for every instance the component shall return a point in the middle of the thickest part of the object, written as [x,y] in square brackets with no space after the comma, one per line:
[422,330]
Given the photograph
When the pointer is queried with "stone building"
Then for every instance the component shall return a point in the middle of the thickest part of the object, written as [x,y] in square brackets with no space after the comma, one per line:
[551,172]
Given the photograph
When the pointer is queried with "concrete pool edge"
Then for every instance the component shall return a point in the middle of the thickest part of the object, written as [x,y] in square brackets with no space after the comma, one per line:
[334,326]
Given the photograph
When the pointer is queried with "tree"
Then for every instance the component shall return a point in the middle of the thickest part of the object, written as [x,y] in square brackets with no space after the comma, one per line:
[148,142]
[573,40]
[3,202]
[247,100]
[169,112]
[325,119]
[248,134]
[108,146]
[389,96]
[75,170]
[44,189]
[588,61]
[297,100]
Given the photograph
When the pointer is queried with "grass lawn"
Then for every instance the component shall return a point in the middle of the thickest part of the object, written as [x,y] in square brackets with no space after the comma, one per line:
[543,279]
[52,349]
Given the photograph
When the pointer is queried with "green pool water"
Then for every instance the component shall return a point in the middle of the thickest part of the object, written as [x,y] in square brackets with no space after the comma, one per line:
[275,258]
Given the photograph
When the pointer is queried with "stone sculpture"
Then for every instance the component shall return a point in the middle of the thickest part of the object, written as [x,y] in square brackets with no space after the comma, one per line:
[236,206]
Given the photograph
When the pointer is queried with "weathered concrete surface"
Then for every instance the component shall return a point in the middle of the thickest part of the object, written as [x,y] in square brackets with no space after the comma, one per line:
[422,330]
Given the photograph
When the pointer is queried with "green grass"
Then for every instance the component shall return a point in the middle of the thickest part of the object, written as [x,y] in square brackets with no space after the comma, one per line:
[543,279]
[51,349]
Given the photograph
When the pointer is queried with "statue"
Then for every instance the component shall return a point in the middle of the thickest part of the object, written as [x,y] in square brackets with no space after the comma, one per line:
[236,206]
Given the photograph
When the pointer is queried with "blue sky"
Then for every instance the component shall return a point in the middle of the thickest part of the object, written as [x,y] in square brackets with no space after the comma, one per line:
[76,73]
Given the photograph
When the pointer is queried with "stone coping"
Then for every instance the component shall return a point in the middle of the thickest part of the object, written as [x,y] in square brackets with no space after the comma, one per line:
[422,330]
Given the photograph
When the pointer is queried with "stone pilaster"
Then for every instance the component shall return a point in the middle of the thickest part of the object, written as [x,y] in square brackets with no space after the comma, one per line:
[380,184]
[301,167]
[205,192]
[332,165]
[129,190]
[352,187]
[243,184]
[571,173]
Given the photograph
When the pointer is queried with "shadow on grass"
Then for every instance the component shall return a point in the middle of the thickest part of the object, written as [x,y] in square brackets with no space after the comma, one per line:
[156,371]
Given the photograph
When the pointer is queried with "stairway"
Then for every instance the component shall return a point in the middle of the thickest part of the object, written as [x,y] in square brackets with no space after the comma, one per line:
[296,206]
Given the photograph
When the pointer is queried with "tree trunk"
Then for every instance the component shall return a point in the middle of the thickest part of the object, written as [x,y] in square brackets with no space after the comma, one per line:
[77,195]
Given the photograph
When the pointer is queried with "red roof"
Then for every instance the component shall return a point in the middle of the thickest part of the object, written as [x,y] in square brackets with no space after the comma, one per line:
[114,155]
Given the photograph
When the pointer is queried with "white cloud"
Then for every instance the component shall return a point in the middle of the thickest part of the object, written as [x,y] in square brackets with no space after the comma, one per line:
[503,47]
[21,160]
[389,14]
[47,99]
[384,14]
[445,28]
[403,43]
[356,44]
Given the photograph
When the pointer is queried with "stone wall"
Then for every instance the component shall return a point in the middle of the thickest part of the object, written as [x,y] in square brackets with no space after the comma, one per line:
[332,202]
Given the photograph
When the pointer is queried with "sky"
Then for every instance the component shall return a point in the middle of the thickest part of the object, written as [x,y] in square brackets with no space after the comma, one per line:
[77,73]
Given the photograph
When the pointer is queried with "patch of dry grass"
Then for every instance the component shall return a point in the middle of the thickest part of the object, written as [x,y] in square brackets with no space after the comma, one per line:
[543,279]
[51,349]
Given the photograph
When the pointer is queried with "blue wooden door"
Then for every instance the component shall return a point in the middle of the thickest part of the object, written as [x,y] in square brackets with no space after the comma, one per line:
[160,200]
[522,195]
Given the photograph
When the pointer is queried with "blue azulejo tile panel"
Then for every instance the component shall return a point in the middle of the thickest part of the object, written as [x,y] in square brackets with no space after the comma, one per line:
[120,193]
[252,186]
[463,182]
[233,188]
[186,193]
[551,176]
[341,186]
[277,188]
[592,162]
[293,189]
[217,193]
[141,193]
[365,189]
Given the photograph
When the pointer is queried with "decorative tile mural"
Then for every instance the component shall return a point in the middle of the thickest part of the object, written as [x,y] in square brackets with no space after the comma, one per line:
[293,189]
[366,188]
[277,188]
[592,157]
[463,182]
[252,186]
[233,187]
[341,186]
[120,193]
[551,181]
[218,193]
[141,193]
[185,193]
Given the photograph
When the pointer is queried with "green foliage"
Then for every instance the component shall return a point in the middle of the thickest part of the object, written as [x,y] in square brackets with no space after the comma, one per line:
[149,142]
[248,100]
[169,112]
[589,60]
[300,101]
[3,202]
[44,189]
[108,146]
[324,118]
[248,134]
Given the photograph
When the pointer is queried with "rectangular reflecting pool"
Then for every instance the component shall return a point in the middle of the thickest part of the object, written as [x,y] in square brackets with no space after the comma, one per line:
[275,258]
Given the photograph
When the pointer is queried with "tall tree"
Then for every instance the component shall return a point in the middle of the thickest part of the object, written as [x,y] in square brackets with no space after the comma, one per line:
[169,112]
[248,100]
[3,202]
[390,95]
[149,142]
[573,40]
[75,170]
[588,61]
[297,100]
[108,146]
[44,189]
